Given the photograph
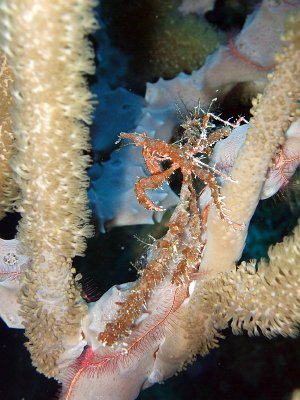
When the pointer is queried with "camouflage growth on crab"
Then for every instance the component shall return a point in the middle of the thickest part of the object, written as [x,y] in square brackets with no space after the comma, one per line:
[187,155]
[177,256]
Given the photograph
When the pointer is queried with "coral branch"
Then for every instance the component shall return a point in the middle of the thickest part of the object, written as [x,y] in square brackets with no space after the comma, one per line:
[189,288]
[48,52]
[268,125]
[8,187]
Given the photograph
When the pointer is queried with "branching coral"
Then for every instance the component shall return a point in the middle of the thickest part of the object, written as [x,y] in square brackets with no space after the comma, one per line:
[48,53]
[249,171]
[256,299]
[185,316]
[190,289]
[8,187]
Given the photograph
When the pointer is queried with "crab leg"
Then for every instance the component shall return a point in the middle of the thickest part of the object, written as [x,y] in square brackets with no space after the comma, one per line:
[151,161]
[152,182]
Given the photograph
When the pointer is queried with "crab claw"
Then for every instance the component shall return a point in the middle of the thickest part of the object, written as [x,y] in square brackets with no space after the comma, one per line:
[151,183]
[139,139]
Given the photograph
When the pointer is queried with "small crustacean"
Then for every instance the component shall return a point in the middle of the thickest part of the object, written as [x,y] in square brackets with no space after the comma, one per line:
[186,157]
[173,257]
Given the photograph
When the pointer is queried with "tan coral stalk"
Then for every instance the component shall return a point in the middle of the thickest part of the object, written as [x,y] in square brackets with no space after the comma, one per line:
[46,45]
[272,114]
[266,301]
[8,187]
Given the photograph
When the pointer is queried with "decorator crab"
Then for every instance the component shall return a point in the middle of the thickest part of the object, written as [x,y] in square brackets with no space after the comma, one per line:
[187,155]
